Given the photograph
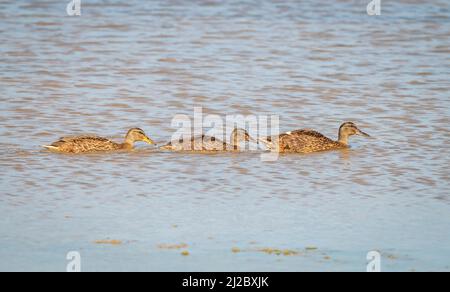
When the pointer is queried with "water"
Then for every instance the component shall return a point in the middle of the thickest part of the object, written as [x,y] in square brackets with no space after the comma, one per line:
[139,63]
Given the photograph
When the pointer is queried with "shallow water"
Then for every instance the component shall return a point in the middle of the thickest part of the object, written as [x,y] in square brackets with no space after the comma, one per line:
[139,63]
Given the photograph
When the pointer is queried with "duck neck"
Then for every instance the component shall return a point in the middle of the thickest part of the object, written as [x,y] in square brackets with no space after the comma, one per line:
[235,142]
[343,138]
[129,143]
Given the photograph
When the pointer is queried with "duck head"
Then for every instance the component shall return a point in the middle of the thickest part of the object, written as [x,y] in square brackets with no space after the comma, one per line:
[349,129]
[137,135]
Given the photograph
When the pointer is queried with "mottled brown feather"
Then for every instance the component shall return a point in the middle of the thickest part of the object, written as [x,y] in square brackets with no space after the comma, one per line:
[85,144]
[200,144]
[302,141]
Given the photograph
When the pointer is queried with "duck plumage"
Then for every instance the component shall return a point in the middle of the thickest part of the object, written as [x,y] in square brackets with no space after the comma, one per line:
[206,143]
[308,141]
[83,144]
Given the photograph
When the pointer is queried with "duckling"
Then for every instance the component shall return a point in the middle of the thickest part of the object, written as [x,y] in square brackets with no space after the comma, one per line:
[307,141]
[83,144]
[210,144]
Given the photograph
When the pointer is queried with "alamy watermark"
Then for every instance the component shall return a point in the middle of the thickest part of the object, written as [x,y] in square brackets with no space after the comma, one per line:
[74,264]
[374,261]
[74,8]
[374,8]
[231,129]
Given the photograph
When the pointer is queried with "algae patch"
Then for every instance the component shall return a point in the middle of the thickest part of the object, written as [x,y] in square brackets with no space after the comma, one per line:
[173,246]
[278,252]
[108,241]
[236,250]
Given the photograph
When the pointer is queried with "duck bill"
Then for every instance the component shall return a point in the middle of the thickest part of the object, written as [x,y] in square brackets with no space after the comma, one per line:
[361,133]
[149,141]
[262,141]
[251,139]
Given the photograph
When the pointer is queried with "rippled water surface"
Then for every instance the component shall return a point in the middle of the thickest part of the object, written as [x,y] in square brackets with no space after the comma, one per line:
[139,63]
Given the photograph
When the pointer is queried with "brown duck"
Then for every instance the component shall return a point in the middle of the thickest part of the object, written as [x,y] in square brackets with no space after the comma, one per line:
[205,143]
[308,141]
[83,144]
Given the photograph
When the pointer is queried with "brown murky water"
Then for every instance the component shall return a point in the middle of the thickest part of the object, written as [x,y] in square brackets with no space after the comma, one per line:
[139,63]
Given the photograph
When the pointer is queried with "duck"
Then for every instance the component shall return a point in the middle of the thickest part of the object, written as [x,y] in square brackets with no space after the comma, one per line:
[308,141]
[83,144]
[206,143]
